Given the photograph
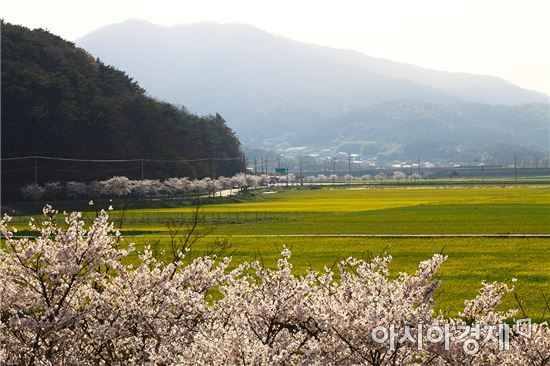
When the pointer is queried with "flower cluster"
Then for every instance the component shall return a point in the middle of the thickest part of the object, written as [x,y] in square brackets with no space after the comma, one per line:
[67,298]
[121,186]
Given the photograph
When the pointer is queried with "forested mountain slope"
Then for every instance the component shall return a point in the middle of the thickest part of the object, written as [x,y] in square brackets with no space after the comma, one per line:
[58,100]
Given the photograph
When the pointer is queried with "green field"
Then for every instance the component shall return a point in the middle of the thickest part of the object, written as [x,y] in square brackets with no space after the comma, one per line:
[470,261]
[419,210]
[252,228]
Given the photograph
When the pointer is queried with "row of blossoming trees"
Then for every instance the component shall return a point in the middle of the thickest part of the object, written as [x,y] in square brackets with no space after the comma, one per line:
[121,186]
[67,298]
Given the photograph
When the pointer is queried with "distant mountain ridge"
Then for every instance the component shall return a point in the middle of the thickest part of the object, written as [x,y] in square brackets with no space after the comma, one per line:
[271,88]
[405,128]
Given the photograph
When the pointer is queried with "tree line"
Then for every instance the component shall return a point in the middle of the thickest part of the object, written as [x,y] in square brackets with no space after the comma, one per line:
[120,186]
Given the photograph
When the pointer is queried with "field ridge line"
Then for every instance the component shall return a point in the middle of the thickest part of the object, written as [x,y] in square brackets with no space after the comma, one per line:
[399,235]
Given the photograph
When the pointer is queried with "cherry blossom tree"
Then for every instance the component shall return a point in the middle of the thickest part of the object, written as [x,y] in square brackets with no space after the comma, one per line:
[94,189]
[224,183]
[399,175]
[76,189]
[174,186]
[33,191]
[147,187]
[68,298]
[116,187]
[208,184]
[365,178]
[416,176]
[265,179]
[245,181]
[252,181]
[197,185]
[239,181]
[53,189]
[380,176]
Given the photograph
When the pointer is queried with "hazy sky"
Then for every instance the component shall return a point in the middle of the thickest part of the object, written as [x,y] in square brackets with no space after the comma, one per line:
[510,39]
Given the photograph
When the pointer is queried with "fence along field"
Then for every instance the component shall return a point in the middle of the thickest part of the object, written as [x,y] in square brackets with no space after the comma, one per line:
[252,227]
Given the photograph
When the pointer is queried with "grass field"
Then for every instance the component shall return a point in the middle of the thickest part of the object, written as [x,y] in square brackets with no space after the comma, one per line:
[397,210]
[470,261]
[419,210]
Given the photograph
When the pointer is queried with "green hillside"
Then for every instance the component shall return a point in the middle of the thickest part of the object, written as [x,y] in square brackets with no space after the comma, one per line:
[57,100]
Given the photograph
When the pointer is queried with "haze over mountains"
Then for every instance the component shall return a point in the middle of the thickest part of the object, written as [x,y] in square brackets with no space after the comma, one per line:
[274,92]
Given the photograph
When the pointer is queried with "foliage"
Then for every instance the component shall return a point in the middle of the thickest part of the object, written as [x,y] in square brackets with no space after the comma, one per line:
[33,191]
[399,175]
[120,186]
[68,299]
[57,100]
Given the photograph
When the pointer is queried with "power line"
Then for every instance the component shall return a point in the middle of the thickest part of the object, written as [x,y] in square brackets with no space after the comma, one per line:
[69,170]
[189,160]
[71,159]
[118,160]
[17,170]
[88,170]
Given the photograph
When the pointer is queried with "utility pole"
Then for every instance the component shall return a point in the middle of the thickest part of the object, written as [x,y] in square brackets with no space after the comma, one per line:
[142,170]
[349,167]
[301,172]
[419,166]
[212,166]
[515,169]
[35,171]
[266,166]
[333,164]
[262,165]
[255,165]
[286,170]
[244,164]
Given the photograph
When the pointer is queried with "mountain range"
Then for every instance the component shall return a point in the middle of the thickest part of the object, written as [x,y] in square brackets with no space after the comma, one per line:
[277,92]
